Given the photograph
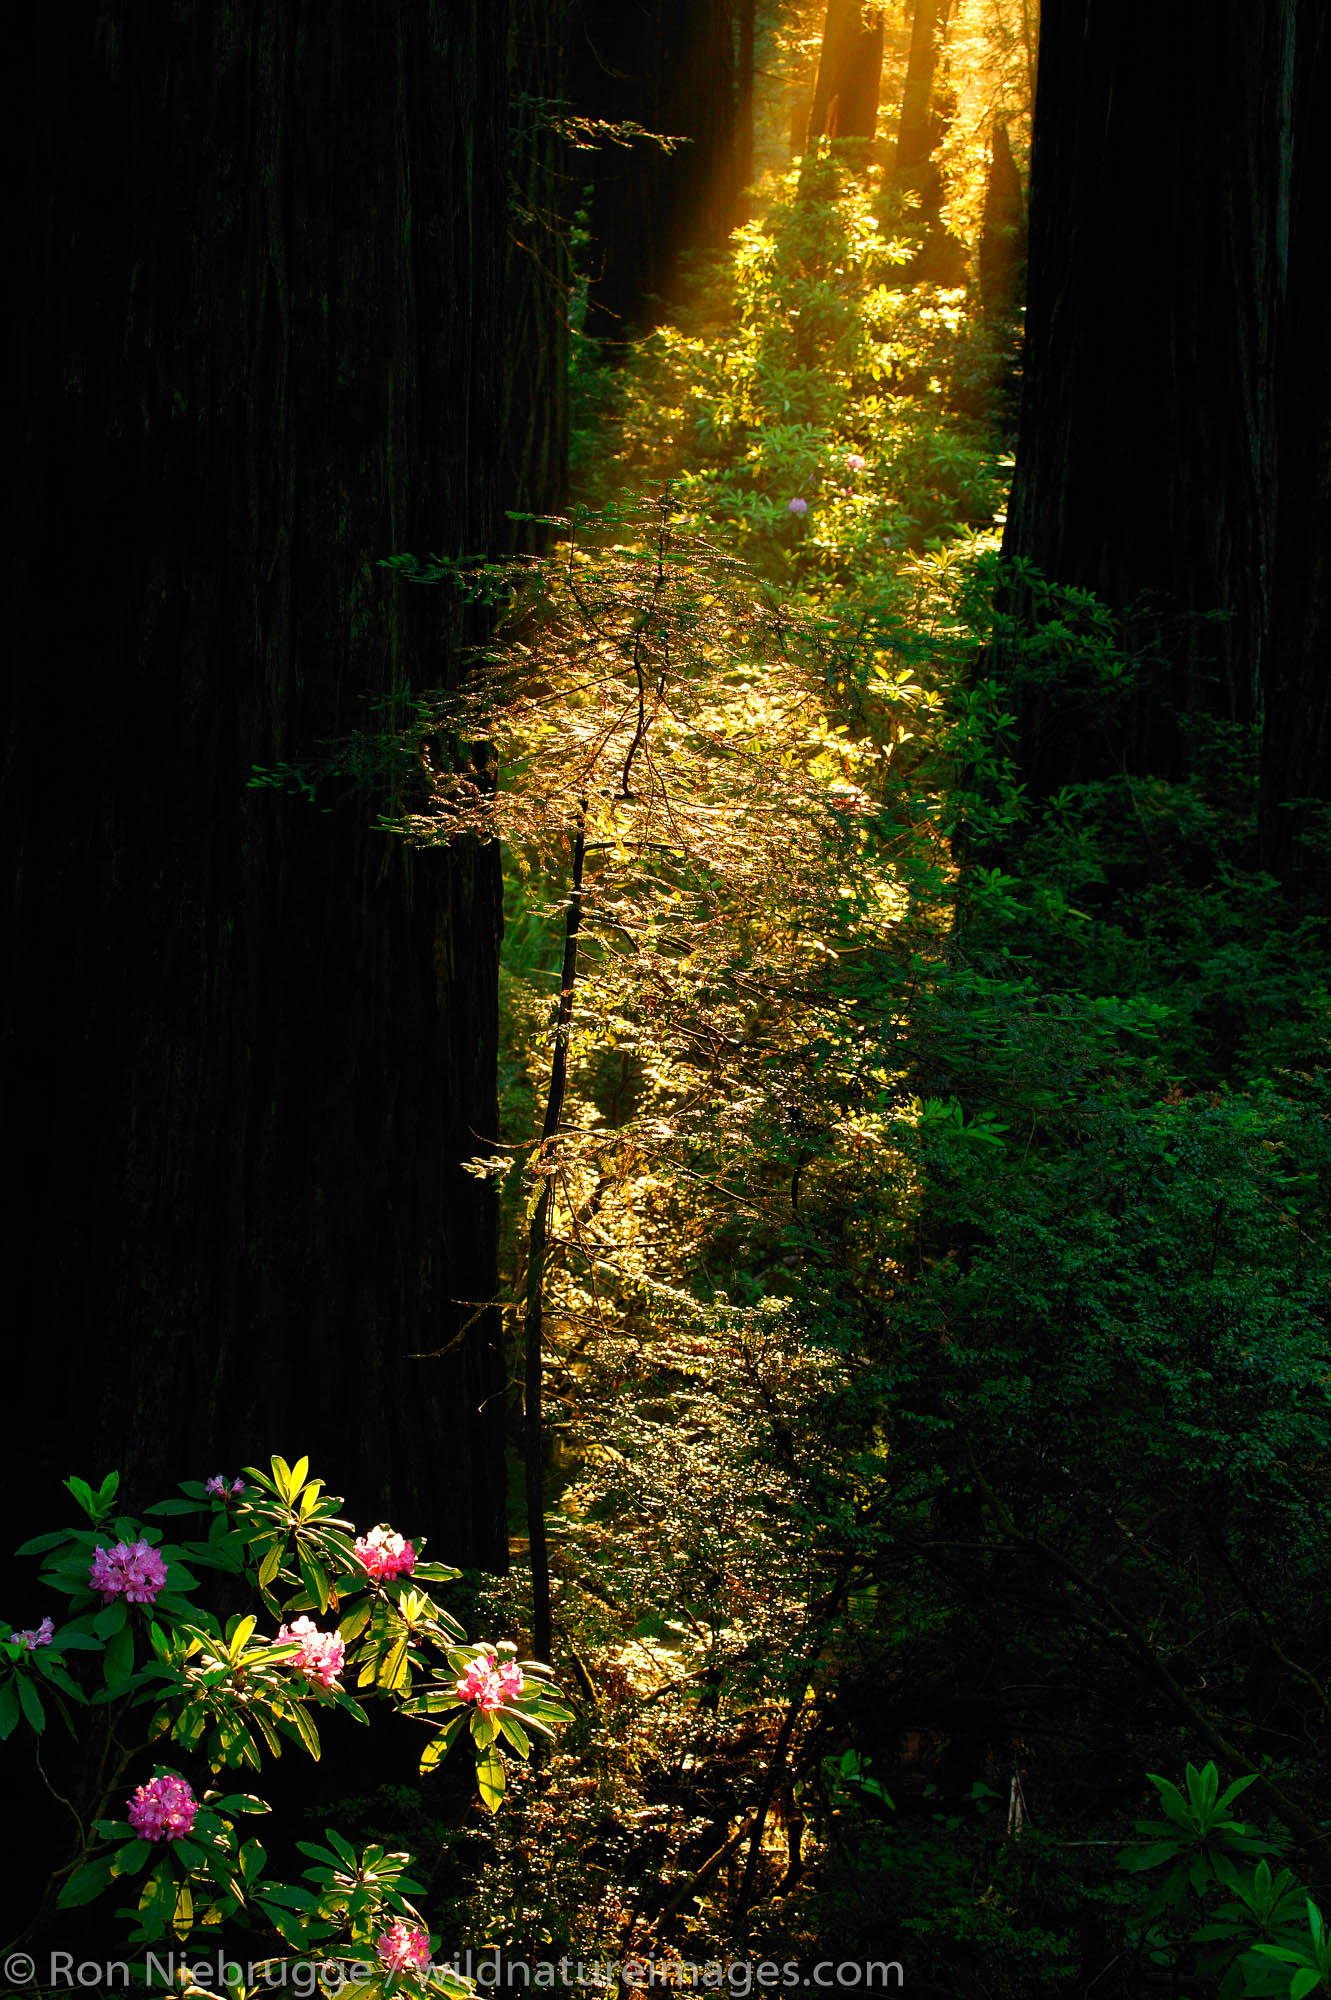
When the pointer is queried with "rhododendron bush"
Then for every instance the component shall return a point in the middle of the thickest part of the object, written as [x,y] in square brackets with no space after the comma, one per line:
[164,1695]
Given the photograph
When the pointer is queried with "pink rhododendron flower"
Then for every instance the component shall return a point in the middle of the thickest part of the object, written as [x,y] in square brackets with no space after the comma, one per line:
[132,1570]
[488,1684]
[384,1555]
[321,1653]
[854,462]
[217,1485]
[403,1947]
[163,1809]
[32,1640]
[798,507]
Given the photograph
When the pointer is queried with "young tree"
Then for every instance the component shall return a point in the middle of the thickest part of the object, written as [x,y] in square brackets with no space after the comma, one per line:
[246,1044]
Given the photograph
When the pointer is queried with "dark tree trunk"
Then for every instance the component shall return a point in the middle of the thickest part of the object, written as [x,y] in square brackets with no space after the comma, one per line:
[850,68]
[1146,464]
[671,67]
[1002,232]
[921,125]
[247,1043]
[925,113]
[535,425]
[1296,668]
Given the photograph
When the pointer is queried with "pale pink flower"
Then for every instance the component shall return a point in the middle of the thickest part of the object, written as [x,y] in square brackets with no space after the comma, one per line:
[132,1570]
[321,1653]
[488,1684]
[384,1555]
[163,1809]
[798,507]
[43,1636]
[404,1947]
[854,463]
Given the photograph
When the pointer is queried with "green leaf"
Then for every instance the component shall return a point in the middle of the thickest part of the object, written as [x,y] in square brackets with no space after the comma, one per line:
[118,1664]
[355,1622]
[87,1882]
[9,1707]
[344,1848]
[31,1703]
[490,1778]
[515,1732]
[298,1716]
[1304,1982]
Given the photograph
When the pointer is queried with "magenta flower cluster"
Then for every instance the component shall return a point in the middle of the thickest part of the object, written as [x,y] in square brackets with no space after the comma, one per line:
[218,1485]
[43,1636]
[321,1653]
[132,1570]
[163,1809]
[798,507]
[488,1684]
[403,1947]
[384,1555]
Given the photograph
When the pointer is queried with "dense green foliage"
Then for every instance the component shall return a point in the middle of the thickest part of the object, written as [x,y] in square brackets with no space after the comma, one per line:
[938,1326]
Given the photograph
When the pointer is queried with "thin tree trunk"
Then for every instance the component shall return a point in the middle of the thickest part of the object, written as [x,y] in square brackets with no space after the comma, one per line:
[537,1244]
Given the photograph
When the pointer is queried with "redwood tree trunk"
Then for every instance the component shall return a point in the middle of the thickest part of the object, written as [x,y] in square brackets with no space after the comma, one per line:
[673,67]
[850,68]
[1147,456]
[248,1043]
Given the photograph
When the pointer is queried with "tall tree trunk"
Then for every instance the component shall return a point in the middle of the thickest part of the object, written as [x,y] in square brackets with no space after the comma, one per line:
[671,67]
[1146,462]
[920,126]
[850,68]
[1002,232]
[1296,668]
[248,1044]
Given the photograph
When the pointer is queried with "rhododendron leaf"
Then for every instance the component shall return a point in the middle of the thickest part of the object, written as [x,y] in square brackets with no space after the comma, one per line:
[109,1619]
[299,1722]
[38,1544]
[355,1622]
[108,1489]
[282,1478]
[533,1721]
[271,1564]
[482,1729]
[237,1638]
[163,1507]
[87,1881]
[490,1779]
[9,1709]
[31,1703]
[253,1856]
[315,1579]
[345,1849]
[435,1573]
[135,1854]
[119,1662]
[286,1923]
[55,1673]
[395,1672]
[83,1494]
[514,1731]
